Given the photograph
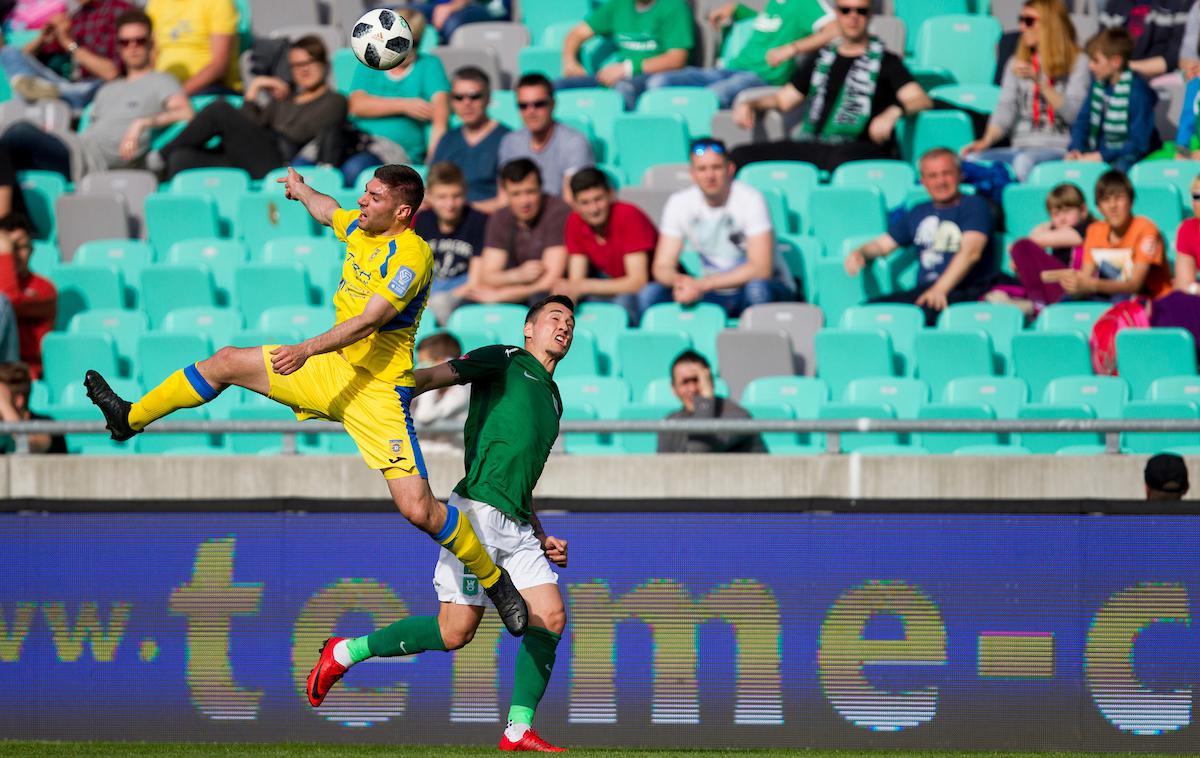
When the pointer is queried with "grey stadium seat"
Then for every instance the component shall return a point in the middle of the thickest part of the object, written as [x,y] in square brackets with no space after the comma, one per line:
[131,184]
[744,356]
[730,133]
[1085,27]
[652,201]
[344,13]
[801,322]
[83,217]
[504,38]
[667,176]
[268,15]
[333,37]
[454,58]
[891,31]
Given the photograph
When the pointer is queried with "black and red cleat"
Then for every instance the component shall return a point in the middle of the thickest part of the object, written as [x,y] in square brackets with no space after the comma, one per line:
[530,742]
[325,674]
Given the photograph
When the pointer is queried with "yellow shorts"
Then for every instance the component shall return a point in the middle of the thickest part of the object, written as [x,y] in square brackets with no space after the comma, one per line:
[374,413]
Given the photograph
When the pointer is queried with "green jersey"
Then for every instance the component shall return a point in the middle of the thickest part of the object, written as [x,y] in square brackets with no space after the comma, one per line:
[641,33]
[511,426]
[780,22]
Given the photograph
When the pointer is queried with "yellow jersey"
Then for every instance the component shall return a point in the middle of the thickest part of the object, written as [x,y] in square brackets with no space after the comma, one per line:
[398,269]
[182,36]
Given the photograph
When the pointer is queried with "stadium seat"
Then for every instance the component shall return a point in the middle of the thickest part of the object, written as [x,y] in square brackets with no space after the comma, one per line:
[745,356]
[903,395]
[650,200]
[172,218]
[128,257]
[67,357]
[539,14]
[268,15]
[343,63]
[1156,442]
[1175,389]
[506,320]
[325,179]
[41,190]
[133,186]
[1174,173]
[1000,321]
[641,140]
[309,320]
[159,354]
[850,442]
[1162,205]
[1144,355]
[644,355]
[1039,357]
[930,129]
[537,59]
[1046,443]
[315,254]
[224,185]
[697,105]
[1080,173]
[914,13]
[951,442]
[45,259]
[640,443]
[1105,395]
[603,106]
[88,444]
[1024,208]
[257,442]
[830,222]
[978,98]
[804,396]
[796,179]
[946,354]
[1003,395]
[220,256]
[259,286]
[844,355]
[891,31]
[124,327]
[504,38]
[168,286]
[616,175]
[83,288]
[668,176]
[88,217]
[604,395]
[989,451]
[901,322]
[1070,317]
[454,58]
[218,325]
[893,178]
[800,253]
[197,443]
[606,322]
[701,322]
[263,216]
[471,339]
[583,359]
[954,42]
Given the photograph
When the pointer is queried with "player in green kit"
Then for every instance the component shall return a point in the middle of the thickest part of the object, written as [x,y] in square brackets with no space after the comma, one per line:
[510,429]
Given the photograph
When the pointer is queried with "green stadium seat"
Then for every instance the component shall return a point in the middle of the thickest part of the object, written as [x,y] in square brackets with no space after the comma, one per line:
[538,15]
[578,443]
[914,13]
[1174,173]
[160,354]
[853,441]
[84,288]
[1082,450]
[1156,442]
[1040,357]
[835,292]
[946,354]
[660,392]
[979,98]
[1003,395]
[1080,173]
[1175,389]
[800,252]
[1024,208]
[360,182]
[901,322]
[505,320]
[326,280]
[264,216]
[45,259]
[124,327]
[616,175]
[930,129]
[988,451]
[891,450]
[168,286]
[795,179]
[41,190]
[644,356]
[641,140]
[895,179]
[603,106]
[1047,443]
[324,179]
[1105,395]
[536,59]
[470,339]
[218,325]
[701,322]
[830,223]
[1162,205]
[697,105]
[128,257]
[316,254]
[1144,355]
[583,359]
[957,42]
[88,444]
[641,443]
[39,395]
[1070,317]
[189,442]
[606,321]
[779,443]
[1000,321]
[903,395]
[220,256]
[503,108]
[952,442]
[258,337]
[604,396]
[309,320]
[224,185]
[803,395]
[844,355]
[67,357]
[172,218]
[259,286]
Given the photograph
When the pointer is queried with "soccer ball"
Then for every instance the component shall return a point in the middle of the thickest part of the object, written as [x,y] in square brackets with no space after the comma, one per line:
[382,39]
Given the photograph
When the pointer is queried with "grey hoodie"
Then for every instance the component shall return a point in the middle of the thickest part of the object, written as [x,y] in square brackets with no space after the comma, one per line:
[1014,111]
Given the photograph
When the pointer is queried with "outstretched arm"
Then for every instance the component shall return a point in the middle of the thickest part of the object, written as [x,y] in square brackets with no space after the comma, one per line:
[435,377]
[287,359]
[320,207]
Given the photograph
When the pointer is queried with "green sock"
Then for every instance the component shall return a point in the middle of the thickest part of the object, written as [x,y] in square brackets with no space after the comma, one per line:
[535,661]
[408,636]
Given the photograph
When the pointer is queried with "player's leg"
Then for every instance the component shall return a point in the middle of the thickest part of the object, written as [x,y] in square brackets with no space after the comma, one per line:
[188,387]
[534,665]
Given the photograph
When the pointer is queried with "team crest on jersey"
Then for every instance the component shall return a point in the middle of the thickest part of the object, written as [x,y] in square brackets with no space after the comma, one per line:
[396,446]
[470,585]
[402,281]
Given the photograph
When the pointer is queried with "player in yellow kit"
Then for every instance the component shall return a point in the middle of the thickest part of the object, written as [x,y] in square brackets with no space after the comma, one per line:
[359,372]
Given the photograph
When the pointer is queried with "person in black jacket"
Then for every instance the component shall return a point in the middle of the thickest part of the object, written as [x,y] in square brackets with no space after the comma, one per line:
[692,382]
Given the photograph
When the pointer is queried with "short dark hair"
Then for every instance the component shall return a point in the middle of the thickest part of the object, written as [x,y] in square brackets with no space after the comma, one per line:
[689,356]
[1113,41]
[535,79]
[562,300]
[474,74]
[1113,183]
[15,221]
[518,170]
[442,343]
[404,181]
[134,16]
[589,178]
[314,46]
[445,172]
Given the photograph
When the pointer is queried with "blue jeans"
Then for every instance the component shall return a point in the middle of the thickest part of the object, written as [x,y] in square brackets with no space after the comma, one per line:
[77,94]
[723,83]
[471,14]
[754,292]
[1022,159]
[629,89]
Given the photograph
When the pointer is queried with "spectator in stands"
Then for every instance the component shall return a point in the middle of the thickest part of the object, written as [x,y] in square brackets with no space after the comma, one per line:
[197,44]
[1166,477]
[1116,125]
[727,223]
[447,15]
[651,36]
[1189,49]
[524,255]
[856,93]
[454,231]
[33,299]
[609,244]
[953,234]
[1157,27]
[1187,247]
[474,146]
[398,104]
[1045,84]
[15,386]
[692,383]
[1123,255]
[128,111]
[557,149]
[1187,118]
[448,404]
[83,45]
[274,124]
[782,31]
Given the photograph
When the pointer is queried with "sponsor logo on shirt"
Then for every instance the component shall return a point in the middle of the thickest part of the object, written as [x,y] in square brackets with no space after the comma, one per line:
[402,281]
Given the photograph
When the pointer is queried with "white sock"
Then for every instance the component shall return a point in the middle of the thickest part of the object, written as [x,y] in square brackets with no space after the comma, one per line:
[515,732]
[341,654]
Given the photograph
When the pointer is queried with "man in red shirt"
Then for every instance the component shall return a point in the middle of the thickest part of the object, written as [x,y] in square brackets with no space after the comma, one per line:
[609,244]
[33,297]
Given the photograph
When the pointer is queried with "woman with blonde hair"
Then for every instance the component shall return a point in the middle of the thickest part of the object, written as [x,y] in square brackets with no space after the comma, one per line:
[1044,86]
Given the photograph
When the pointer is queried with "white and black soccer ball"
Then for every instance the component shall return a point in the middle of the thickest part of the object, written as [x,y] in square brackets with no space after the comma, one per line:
[381,39]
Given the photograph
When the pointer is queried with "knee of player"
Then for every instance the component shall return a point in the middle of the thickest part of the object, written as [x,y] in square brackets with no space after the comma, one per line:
[221,364]
[552,620]
[455,637]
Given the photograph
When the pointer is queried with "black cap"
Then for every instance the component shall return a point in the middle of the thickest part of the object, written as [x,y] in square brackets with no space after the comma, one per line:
[1166,472]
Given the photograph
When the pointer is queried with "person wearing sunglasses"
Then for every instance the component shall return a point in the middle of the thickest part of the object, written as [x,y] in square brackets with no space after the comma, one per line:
[557,149]
[475,145]
[856,93]
[129,111]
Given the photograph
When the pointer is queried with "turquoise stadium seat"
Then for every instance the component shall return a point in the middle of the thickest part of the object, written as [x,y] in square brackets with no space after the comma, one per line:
[218,325]
[1144,355]
[988,451]
[959,43]
[67,357]
[503,108]
[1046,443]
[583,358]
[197,443]
[257,442]
[262,217]
[41,189]
[128,257]
[160,354]
[537,15]
[1080,173]
[895,179]
[852,441]
[930,129]
[364,176]
[257,338]
[641,140]
[800,252]
[830,222]
[701,322]
[224,185]
[697,105]
[606,321]
[644,356]
[901,321]
[779,443]
[1162,205]
[220,256]
[1024,208]
[1105,395]
[309,320]
[1175,173]
[601,105]
[260,286]
[914,13]
[124,327]
[88,444]
[83,288]
[1070,317]
[952,442]
[344,62]
[946,354]
[168,286]
[536,59]
[1002,395]
[1040,357]
[1156,442]
[318,256]
[172,218]
[641,443]
[1001,322]
[324,179]
[1175,389]
[803,395]
[796,179]
[844,355]
[905,396]
[505,320]
[978,98]
[604,395]
[45,259]
[471,339]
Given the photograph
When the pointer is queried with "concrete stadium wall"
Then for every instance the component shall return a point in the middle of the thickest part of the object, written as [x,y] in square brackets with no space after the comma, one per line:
[702,477]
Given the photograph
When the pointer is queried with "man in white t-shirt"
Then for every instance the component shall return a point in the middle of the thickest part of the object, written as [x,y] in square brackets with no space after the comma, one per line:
[727,224]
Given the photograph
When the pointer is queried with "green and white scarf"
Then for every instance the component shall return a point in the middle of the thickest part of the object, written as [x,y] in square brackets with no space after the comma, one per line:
[1109,113]
[852,110]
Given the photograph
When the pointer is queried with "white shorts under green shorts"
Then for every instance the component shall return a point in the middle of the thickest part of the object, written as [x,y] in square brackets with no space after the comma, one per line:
[509,543]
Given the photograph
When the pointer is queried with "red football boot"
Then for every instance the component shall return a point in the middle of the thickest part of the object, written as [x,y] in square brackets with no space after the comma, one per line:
[325,674]
[530,742]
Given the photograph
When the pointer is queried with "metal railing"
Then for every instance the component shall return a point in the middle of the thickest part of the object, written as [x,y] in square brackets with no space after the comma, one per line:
[831,428]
